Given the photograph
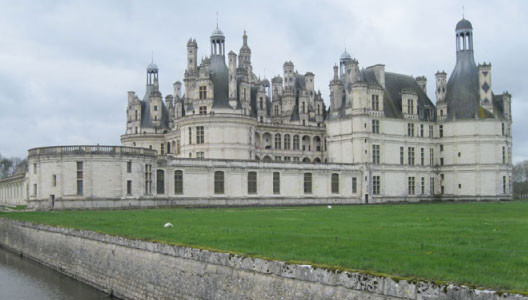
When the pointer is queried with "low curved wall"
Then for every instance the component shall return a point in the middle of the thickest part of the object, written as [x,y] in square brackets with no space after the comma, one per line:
[132,269]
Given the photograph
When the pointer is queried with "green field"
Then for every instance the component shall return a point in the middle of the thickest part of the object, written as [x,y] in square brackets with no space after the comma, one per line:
[477,244]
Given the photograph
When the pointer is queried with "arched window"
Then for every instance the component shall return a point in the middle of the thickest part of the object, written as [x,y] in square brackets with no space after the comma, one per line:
[307,183]
[178,182]
[219,182]
[286,142]
[295,142]
[252,182]
[277,141]
[160,182]
[335,183]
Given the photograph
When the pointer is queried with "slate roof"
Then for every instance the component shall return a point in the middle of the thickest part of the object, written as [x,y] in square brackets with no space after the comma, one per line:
[462,94]
[220,77]
[146,120]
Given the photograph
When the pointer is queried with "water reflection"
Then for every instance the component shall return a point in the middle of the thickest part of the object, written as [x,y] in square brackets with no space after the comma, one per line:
[21,278]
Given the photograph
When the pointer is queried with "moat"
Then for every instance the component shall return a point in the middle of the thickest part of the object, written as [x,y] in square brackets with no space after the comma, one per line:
[21,278]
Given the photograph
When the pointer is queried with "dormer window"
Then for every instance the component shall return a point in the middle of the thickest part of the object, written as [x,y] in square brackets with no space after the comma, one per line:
[410,106]
[155,108]
[375,102]
[203,92]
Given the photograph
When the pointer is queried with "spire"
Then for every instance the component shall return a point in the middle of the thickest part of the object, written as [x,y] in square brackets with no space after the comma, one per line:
[244,37]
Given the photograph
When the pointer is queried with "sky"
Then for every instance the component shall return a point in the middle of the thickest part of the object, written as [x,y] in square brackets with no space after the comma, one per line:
[66,66]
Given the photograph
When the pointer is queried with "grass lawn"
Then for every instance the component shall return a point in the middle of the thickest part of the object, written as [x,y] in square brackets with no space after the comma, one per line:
[477,244]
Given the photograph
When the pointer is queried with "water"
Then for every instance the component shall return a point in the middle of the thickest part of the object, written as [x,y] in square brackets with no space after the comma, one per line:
[21,278]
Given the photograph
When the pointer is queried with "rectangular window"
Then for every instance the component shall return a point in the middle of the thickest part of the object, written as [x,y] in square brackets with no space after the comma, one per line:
[410,106]
[375,154]
[203,92]
[136,115]
[219,182]
[375,102]
[148,179]
[129,166]
[162,147]
[354,185]
[276,183]
[431,156]
[441,130]
[35,190]
[410,156]
[401,156]
[410,129]
[411,185]
[441,147]
[441,161]
[252,182]
[203,110]
[200,155]
[155,108]
[431,186]
[261,102]
[200,135]
[376,184]
[129,187]
[34,168]
[190,135]
[421,130]
[278,158]
[79,178]
[54,180]
[502,128]
[178,182]
[375,126]
[295,142]
[431,131]
[287,158]
[442,190]
[277,141]
[504,155]
[296,158]
[160,182]
[504,184]
[335,183]
[423,185]
[307,183]
[286,142]
[422,156]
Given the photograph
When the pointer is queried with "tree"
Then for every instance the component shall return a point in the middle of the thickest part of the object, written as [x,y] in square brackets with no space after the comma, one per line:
[12,166]
[520,179]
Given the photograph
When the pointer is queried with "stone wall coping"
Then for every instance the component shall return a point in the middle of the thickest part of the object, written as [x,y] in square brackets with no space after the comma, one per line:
[357,280]
[90,150]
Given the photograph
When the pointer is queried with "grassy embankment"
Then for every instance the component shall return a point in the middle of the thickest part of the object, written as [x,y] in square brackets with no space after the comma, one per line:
[477,244]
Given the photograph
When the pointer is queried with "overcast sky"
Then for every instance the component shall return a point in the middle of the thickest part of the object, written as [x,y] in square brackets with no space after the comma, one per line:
[66,66]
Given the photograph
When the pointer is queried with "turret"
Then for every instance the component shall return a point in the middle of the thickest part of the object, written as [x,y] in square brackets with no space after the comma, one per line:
[244,57]
[217,42]
[177,90]
[289,80]
[441,105]
[309,81]
[485,95]
[336,92]
[276,86]
[156,104]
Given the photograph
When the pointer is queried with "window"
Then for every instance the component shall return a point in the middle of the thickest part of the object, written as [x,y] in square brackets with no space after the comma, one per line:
[441,161]
[35,190]
[295,142]
[286,142]
[252,182]
[375,126]
[296,158]
[410,157]
[54,180]
[261,103]
[200,155]
[276,111]
[376,183]
[278,158]
[410,106]
[287,158]
[155,108]
[178,182]
[441,130]
[411,185]
[375,102]
[504,155]
[503,129]
[504,184]
[431,131]
[375,154]
[318,109]
[200,135]
[79,178]
[431,186]
[203,110]
[129,166]
[219,182]
[162,147]
[148,179]
[421,130]
[203,92]
[442,189]
[261,119]
[303,107]
[276,182]
[410,129]
[335,183]
[277,141]
[34,168]
[129,187]
[431,156]
[441,147]
[401,155]
[307,183]
[422,156]
[423,185]
[354,185]
[190,135]
[160,182]
[136,115]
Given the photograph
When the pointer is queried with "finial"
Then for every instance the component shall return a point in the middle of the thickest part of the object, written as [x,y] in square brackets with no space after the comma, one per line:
[462,11]
[152,57]
[217,19]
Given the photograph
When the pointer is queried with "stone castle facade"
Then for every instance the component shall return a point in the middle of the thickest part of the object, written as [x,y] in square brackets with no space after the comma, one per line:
[382,138]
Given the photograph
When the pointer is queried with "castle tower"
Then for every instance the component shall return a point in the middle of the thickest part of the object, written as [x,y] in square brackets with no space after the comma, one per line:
[244,56]
[441,107]
[192,54]
[288,74]
[217,42]
[336,92]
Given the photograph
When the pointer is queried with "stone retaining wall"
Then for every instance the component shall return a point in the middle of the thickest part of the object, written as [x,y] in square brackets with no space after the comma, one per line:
[132,269]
